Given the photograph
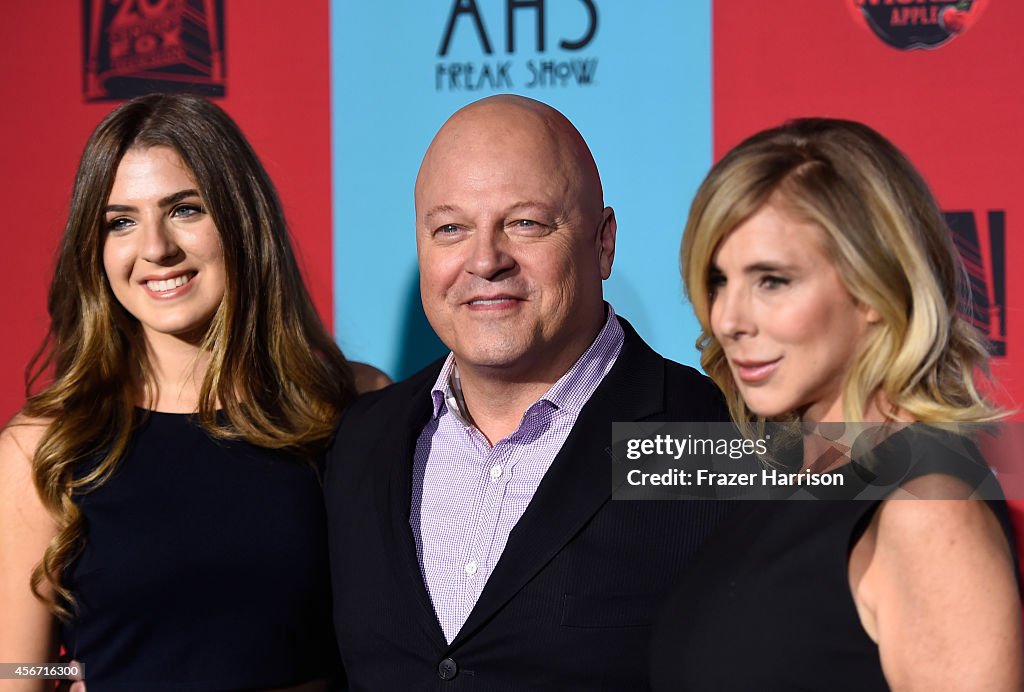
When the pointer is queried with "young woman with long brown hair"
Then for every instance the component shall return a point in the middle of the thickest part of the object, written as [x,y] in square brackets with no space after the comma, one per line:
[159,496]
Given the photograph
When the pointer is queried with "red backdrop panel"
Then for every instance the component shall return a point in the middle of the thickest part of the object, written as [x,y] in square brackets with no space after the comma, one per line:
[956,111]
[277,89]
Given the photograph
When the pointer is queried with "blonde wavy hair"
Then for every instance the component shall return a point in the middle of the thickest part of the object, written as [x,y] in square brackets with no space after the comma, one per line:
[892,249]
[275,375]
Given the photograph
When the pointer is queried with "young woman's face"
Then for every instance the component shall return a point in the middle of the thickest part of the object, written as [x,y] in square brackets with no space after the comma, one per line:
[162,253]
[787,324]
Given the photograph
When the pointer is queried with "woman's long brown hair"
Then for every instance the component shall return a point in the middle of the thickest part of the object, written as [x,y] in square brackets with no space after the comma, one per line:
[274,372]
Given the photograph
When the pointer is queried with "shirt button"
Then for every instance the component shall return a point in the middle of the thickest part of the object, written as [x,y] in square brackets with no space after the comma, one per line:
[496,472]
[471,567]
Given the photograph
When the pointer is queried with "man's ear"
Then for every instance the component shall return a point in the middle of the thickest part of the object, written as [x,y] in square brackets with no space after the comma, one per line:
[606,239]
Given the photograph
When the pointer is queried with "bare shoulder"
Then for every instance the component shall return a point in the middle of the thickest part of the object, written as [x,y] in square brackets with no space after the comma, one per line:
[930,530]
[934,515]
[939,587]
[368,378]
[936,519]
[18,441]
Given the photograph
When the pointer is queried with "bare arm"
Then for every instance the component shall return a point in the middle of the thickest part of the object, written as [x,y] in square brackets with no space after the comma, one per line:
[27,630]
[934,583]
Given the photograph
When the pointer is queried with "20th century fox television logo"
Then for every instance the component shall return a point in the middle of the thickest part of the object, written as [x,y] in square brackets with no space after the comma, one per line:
[134,47]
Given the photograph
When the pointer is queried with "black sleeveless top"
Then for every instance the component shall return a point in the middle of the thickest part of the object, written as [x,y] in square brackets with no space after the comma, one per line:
[205,567]
[767,605]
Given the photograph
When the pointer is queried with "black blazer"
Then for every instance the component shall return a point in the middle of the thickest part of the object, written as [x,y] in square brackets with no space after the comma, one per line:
[570,604]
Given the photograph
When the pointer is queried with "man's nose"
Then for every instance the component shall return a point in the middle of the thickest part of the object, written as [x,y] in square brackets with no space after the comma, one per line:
[490,254]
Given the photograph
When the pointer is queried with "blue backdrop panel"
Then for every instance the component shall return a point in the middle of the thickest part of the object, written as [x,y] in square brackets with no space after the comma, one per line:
[634,77]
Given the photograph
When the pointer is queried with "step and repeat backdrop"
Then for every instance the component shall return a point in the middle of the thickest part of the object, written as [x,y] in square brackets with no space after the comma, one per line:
[341,98]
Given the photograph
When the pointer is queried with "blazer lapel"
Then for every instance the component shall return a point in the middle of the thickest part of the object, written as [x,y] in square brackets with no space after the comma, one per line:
[394,492]
[580,478]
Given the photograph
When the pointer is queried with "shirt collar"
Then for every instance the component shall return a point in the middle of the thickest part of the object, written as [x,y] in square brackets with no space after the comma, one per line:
[570,392]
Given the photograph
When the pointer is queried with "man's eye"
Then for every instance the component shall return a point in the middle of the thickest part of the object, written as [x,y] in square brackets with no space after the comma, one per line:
[447,229]
[119,223]
[528,227]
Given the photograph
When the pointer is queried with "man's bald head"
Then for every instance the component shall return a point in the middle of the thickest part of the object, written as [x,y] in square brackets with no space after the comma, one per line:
[509,121]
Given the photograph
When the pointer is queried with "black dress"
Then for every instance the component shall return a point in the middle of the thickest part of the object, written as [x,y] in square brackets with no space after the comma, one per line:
[204,568]
[767,605]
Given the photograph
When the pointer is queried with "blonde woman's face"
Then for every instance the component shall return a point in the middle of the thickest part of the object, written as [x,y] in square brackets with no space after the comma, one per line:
[162,253]
[787,324]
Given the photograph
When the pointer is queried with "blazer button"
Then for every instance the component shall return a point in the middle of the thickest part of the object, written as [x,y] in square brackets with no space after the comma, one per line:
[447,669]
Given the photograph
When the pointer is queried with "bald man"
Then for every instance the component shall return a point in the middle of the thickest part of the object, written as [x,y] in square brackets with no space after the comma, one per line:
[474,543]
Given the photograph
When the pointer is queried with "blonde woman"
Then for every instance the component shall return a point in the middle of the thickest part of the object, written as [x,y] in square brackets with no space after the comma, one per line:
[826,285]
[160,502]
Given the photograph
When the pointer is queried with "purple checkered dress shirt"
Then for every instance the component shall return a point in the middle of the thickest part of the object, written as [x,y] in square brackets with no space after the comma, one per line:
[467,495]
